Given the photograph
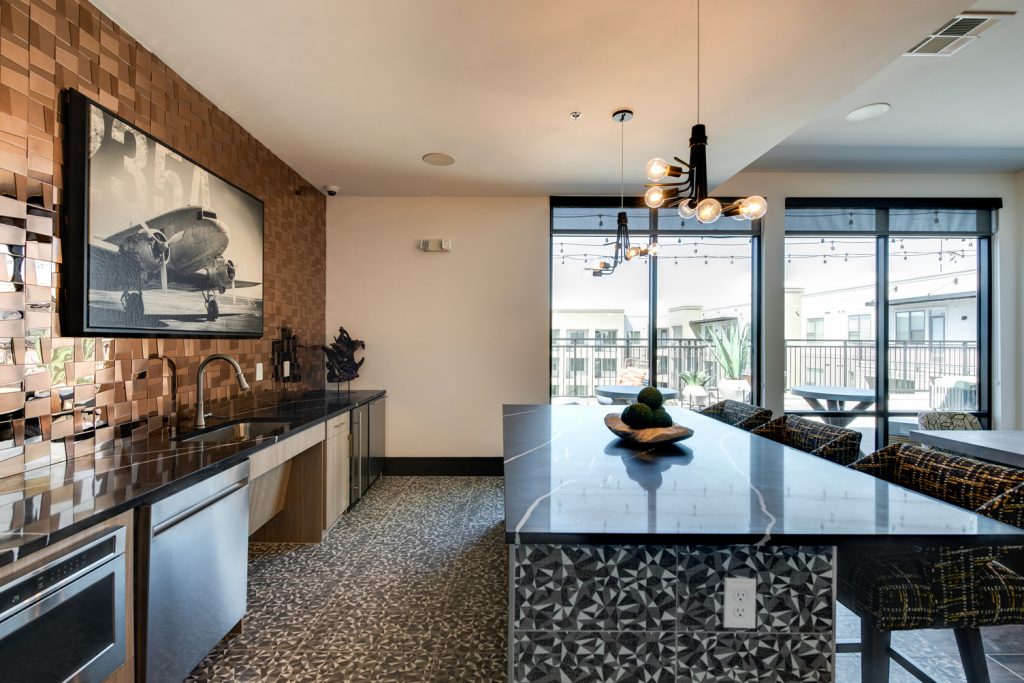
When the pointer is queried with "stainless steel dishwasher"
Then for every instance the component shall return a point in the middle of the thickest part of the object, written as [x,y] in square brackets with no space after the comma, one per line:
[193,547]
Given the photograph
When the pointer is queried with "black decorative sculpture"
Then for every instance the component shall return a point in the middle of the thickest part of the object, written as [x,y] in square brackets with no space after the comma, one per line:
[342,365]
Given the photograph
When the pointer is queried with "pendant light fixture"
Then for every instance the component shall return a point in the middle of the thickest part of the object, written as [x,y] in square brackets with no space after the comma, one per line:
[624,251]
[691,194]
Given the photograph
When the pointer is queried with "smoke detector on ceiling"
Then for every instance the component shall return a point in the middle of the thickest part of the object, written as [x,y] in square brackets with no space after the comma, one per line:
[957,34]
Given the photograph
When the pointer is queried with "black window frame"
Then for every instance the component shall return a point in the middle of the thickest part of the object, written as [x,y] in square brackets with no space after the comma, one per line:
[986,227]
[752,229]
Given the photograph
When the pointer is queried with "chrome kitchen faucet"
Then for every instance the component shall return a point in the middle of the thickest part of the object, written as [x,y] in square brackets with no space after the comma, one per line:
[201,375]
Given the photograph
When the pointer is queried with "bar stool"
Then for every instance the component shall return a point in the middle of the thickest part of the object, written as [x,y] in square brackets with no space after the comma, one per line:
[940,587]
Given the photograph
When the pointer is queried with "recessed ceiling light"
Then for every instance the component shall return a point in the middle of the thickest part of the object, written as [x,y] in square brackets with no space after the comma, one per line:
[869,111]
[438,159]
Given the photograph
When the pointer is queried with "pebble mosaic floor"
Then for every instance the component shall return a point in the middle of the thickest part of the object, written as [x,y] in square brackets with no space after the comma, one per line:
[412,586]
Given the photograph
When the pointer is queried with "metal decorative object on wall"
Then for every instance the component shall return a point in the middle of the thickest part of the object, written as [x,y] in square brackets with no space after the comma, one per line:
[153,240]
[342,365]
[284,354]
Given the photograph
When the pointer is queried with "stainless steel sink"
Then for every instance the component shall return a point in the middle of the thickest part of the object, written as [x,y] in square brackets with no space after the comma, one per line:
[238,431]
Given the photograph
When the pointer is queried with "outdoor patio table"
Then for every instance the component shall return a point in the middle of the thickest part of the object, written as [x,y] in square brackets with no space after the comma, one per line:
[835,400]
[627,393]
[1004,446]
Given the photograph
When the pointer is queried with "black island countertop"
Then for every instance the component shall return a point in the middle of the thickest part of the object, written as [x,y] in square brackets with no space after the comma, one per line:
[75,487]
[569,480]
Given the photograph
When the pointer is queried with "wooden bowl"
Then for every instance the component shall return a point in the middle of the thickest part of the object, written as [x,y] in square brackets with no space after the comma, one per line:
[648,437]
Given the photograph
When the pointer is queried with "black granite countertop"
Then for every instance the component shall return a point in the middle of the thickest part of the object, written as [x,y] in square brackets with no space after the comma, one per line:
[55,497]
[569,480]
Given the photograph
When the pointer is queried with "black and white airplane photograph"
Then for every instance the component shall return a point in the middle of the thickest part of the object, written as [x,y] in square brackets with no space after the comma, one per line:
[172,247]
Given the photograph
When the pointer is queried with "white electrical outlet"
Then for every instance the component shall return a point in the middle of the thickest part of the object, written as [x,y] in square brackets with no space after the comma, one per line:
[259,371]
[740,603]
[287,371]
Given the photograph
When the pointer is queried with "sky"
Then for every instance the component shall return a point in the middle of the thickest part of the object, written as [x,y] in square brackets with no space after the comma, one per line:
[683,275]
[715,271]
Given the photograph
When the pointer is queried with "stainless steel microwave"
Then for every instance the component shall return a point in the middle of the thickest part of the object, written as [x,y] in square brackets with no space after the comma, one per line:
[65,621]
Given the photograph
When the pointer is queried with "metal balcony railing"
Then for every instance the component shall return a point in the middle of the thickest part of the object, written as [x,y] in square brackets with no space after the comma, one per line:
[578,365]
[913,366]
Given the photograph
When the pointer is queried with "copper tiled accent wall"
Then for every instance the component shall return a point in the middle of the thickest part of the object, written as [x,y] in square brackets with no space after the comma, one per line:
[91,389]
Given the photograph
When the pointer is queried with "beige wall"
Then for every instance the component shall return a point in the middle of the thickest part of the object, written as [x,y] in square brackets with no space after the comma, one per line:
[1007,313]
[451,336]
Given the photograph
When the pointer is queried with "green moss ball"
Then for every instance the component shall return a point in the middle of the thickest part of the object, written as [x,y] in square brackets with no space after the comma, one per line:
[661,418]
[650,397]
[638,416]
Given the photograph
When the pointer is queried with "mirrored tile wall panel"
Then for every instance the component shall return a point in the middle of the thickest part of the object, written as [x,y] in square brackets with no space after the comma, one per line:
[60,396]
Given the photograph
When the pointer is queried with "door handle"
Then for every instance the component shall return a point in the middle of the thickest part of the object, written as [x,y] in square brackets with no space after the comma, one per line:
[198,507]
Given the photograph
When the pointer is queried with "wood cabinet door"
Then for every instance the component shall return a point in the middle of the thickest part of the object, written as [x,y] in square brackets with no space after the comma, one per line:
[336,478]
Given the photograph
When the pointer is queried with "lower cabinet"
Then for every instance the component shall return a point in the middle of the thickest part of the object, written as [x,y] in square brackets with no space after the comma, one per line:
[337,452]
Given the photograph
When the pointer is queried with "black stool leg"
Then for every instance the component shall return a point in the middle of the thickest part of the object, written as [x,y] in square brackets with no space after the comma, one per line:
[874,654]
[972,654]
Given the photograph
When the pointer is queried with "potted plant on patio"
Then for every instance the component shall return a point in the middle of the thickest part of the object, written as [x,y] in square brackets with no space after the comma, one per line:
[731,348]
[693,383]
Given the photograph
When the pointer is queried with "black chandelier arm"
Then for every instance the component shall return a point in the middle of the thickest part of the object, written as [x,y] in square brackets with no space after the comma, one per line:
[676,201]
[681,185]
[684,164]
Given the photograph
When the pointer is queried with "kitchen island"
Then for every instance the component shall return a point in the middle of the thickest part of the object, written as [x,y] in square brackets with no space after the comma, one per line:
[619,555]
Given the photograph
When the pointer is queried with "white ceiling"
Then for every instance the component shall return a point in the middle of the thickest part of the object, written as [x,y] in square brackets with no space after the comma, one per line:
[959,113]
[354,93]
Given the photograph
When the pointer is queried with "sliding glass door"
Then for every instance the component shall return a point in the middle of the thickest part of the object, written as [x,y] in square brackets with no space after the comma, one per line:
[599,325]
[705,305]
[830,330]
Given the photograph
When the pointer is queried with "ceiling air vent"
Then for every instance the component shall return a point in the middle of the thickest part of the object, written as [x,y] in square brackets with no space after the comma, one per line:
[957,34]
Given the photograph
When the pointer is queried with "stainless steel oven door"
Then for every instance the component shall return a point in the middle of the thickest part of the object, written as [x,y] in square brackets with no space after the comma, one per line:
[65,621]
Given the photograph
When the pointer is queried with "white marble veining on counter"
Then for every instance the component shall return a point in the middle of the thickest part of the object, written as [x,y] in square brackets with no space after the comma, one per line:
[567,478]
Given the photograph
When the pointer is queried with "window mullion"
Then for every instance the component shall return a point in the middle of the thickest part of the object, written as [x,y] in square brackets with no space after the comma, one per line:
[652,304]
[882,328]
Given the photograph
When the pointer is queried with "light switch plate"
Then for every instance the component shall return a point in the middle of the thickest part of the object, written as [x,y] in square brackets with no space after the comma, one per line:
[740,603]
[259,371]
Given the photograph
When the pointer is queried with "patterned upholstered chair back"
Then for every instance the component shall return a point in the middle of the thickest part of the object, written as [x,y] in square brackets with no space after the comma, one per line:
[937,419]
[966,483]
[738,414]
[824,440]
[958,587]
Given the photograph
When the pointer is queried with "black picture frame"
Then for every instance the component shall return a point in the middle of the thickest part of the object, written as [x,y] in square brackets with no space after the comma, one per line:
[141,260]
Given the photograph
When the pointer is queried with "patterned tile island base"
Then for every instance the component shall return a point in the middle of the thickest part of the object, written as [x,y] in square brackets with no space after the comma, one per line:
[654,614]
